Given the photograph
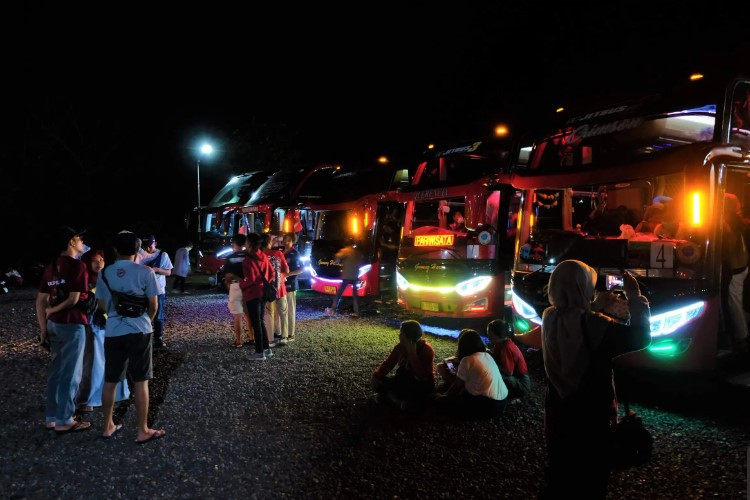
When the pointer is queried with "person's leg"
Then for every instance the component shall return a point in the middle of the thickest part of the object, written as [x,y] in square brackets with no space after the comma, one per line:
[97,367]
[182,284]
[282,308]
[355,296]
[140,369]
[237,327]
[108,407]
[337,297]
[53,374]
[116,362]
[255,311]
[85,386]
[291,313]
[248,326]
[736,311]
[72,338]
[268,322]
[158,322]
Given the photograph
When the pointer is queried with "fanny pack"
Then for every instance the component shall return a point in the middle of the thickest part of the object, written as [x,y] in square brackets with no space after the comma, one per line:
[129,306]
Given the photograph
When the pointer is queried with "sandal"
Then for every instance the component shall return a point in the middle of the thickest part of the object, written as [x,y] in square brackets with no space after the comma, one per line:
[237,344]
[78,425]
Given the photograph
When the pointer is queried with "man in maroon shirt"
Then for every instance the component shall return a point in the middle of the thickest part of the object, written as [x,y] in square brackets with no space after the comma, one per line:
[414,381]
[62,329]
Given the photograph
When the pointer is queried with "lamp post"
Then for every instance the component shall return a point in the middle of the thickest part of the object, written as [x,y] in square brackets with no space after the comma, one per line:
[206,149]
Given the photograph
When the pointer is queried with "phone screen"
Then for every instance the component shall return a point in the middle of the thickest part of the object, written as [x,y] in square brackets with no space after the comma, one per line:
[614,281]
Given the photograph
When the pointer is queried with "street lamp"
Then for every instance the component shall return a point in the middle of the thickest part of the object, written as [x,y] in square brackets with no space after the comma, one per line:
[205,150]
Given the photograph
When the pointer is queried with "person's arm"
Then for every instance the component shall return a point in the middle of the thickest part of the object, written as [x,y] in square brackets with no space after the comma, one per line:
[423,362]
[71,300]
[636,335]
[153,306]
[389,363]
[167,269]
[42,301]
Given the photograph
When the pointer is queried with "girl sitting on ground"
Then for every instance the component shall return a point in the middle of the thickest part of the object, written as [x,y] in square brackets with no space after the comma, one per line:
[478,390]
[414,382]
[509,359]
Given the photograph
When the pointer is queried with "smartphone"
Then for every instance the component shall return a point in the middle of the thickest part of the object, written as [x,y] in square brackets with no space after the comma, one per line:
[451,367]
[614,281]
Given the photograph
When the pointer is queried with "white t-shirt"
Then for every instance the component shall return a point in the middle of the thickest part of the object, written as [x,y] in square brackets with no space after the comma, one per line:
[148,259]
[482,376]
[131,278]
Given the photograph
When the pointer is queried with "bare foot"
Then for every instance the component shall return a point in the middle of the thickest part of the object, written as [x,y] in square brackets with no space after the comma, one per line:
[111,430]
[150,435]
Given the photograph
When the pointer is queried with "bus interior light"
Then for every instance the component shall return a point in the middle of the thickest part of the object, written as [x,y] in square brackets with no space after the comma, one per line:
[696,219]
[472,286]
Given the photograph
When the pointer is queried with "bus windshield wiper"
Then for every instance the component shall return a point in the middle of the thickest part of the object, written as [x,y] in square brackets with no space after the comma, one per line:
[544,266]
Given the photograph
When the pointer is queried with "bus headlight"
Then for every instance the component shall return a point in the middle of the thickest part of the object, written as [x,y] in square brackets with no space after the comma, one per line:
[401,281]
[472,286]
[364,270]
[524,309]
[668,322]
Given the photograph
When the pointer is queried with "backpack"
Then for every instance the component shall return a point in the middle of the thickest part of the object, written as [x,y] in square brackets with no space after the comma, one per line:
[126,305]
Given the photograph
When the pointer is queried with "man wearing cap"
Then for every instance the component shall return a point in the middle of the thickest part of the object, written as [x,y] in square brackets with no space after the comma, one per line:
[62,329]
[159,261]
[127,340]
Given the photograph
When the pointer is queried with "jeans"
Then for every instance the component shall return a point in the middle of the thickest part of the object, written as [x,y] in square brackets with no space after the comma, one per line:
[255,309]
[161,316]
[64,376]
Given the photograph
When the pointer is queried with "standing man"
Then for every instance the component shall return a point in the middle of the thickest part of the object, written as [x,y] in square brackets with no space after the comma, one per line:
[233,274]
[350,258]
[127,339]
[181,267]
[275,312]
[295,268]
[62,328]
[158,260]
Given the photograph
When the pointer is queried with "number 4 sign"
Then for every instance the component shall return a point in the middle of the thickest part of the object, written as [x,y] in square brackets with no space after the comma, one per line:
[662,255]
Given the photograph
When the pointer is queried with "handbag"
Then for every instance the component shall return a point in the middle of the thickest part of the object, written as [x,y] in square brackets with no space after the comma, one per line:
[270,292]
[631,443]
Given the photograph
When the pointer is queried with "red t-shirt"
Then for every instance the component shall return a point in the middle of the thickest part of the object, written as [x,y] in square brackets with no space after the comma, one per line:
[420,363]
[280,265]
[509,358]
[70,276]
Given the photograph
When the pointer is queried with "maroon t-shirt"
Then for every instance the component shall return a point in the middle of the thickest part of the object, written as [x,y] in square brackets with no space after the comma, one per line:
[509,358]
[69,276]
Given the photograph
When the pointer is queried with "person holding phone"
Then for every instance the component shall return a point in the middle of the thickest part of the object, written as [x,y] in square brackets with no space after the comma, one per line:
[414,382]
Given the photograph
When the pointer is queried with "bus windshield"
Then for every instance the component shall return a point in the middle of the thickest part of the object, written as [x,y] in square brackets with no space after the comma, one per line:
[646,225]
[332,225]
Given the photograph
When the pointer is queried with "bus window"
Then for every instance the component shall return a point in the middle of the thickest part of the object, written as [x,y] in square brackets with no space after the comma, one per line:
[443,214]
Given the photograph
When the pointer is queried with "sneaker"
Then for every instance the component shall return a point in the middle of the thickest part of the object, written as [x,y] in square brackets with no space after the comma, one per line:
[277,336]
[268,353]
[354,315]
[159,344]
[290,338]
[258,356]
[330,311]
[282,342]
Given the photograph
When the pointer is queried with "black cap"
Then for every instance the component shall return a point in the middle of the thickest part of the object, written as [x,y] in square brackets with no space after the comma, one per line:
[148,239]
[63,234]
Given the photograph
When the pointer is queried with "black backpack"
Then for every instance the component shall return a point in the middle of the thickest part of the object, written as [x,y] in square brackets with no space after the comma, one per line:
[126,305]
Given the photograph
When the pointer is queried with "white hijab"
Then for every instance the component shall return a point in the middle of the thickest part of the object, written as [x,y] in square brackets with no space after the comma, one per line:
[566,355]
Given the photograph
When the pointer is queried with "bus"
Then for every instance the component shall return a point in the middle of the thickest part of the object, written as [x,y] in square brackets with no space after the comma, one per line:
[219,220]
[457,244]
[640,185]
[357,202]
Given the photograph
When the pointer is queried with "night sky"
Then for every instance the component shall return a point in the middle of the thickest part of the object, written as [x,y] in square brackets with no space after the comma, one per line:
[101,118]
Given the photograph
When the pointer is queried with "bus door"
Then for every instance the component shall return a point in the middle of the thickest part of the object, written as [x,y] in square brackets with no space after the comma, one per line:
[389,220]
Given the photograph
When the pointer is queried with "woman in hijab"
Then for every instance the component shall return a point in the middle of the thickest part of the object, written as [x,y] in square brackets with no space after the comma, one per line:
[580,406]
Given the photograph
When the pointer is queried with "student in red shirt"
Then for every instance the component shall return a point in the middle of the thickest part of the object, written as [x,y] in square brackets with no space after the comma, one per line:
[509,359]
[414,381]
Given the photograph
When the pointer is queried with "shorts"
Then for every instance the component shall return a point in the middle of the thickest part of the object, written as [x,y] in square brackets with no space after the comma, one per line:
[129,354]
[236,304]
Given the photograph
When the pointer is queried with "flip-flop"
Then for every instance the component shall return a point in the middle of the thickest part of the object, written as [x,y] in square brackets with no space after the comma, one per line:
[237,345]
[153,436]
[78,425]
[49,428]
[117,429]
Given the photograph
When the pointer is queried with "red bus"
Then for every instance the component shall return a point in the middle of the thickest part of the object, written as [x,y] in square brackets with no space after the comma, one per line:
[457,244]
[639,185]
[356,202]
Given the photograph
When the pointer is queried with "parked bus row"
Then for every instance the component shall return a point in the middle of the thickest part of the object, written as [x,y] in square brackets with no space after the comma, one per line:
[636,185]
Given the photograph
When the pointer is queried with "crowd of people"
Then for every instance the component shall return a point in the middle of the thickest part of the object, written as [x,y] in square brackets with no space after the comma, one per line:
[101,322]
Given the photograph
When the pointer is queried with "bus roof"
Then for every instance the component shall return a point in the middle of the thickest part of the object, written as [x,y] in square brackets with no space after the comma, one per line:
[239,189]
[639,128]
[342,183]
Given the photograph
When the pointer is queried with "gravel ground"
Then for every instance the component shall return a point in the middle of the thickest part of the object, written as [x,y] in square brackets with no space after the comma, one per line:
[300,426]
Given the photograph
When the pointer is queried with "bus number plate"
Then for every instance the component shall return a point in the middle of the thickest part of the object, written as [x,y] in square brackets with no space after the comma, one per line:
[431,306]
[330,289]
